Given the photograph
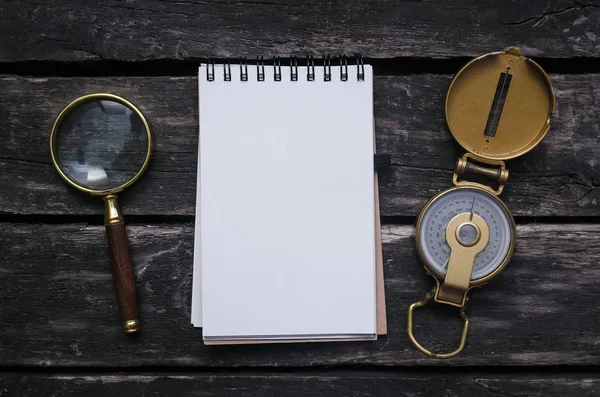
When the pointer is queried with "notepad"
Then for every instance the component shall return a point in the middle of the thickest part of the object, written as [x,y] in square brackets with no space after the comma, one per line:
[285,244]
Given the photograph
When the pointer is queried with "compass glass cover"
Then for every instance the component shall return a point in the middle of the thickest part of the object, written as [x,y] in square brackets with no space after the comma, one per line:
[432,230]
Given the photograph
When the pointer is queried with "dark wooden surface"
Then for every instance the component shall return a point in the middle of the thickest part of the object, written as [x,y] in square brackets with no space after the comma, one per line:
[158,29]
[334,384]
[62,309]
[535,330]
[558,178]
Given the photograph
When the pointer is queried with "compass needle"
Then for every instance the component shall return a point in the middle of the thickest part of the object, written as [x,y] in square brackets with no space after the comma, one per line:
[445,265]
[439,214]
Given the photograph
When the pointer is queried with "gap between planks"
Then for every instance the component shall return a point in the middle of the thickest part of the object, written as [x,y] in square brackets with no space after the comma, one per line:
[400,66]
[158,220]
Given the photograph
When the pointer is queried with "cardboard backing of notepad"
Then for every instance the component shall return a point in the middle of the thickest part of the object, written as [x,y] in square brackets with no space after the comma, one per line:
[380,299]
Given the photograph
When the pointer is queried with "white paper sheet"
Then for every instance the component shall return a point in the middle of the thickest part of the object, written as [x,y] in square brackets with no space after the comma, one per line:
[285,212]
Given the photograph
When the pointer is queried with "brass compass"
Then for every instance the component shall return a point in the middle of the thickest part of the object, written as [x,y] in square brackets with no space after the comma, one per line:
[498,107]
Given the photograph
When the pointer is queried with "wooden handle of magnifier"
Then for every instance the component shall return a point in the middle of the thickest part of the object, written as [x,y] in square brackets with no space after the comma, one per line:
[122,268]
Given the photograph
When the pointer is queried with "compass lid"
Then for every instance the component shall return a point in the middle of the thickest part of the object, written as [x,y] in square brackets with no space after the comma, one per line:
[498,106]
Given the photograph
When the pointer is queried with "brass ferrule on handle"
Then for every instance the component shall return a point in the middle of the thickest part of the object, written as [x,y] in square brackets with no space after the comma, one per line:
[112,212]
[427,352]
[131,326]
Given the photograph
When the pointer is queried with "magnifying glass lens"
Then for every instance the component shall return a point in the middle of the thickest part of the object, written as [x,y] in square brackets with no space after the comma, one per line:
[101,144]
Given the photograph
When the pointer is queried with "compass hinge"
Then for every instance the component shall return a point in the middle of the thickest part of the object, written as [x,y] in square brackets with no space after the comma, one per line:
[481,170]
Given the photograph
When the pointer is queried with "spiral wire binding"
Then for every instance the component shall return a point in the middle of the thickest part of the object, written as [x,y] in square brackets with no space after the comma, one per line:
[277,69]
[294,69]
[260,68]
[343,68]
[244,69]
[326,68]
[343,63]
[360,67]
[210,70]
[310,73]
[227,71]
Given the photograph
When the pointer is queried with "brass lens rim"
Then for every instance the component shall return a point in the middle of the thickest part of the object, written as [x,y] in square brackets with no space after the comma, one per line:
[541,134]
[79,101]
[479,281]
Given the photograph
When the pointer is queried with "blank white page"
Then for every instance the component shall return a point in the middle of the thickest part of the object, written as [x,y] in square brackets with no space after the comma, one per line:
[286,207]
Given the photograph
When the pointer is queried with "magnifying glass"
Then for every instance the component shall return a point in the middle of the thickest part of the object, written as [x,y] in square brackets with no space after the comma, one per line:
[101,144]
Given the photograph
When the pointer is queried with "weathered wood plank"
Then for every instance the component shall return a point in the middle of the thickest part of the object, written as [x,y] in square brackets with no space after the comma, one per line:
[334,384]
[158,29]
[58,307]
[558,178]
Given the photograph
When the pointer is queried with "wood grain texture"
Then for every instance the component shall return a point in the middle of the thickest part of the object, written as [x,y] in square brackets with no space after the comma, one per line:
[122,270]
[559,178]
[59,308]
[159,29]
[334,384]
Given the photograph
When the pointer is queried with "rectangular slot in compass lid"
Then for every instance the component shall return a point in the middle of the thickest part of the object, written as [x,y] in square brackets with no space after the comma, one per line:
[491,127]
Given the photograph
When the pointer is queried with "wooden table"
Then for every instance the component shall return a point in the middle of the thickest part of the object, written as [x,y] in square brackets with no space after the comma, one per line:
[535,330]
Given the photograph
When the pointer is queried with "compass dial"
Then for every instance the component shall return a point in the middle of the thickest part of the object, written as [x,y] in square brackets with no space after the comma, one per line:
[431,230]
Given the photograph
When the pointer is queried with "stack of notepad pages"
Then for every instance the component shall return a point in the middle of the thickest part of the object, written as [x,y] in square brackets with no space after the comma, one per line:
[287,244]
